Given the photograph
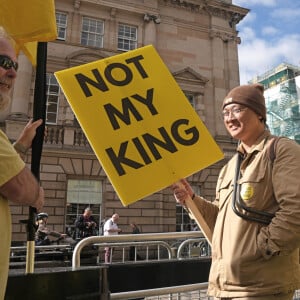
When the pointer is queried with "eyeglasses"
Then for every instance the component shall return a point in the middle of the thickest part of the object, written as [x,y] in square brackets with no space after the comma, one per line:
[7,63]
[235,112]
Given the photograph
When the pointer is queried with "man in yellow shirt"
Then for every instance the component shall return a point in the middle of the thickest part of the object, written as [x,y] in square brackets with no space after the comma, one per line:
[17,183]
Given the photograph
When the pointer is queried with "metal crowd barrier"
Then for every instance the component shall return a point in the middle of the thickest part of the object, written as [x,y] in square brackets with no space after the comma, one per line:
[16,249]
[181,274]
[129,239]
[54,252]
[125,245]
[199,288]
[119,280]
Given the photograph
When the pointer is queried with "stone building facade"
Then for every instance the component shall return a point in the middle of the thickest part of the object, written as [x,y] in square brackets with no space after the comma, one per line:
[197,40]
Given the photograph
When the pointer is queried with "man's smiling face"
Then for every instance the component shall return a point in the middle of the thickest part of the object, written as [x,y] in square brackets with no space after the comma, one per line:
[241,122]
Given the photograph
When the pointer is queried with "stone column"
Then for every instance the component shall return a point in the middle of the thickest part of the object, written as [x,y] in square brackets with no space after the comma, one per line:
[150,33]
[68,127]
[75,21]
[219,78]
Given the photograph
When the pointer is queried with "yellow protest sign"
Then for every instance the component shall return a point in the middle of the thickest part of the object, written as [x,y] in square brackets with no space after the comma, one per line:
[142,128]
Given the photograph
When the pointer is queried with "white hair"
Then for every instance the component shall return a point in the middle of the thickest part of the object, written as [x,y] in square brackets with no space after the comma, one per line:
[4,98]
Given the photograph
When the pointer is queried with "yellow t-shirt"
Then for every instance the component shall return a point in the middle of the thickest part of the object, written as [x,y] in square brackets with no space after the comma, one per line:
[10,165]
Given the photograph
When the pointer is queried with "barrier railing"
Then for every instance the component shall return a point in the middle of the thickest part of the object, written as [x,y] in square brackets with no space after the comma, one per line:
[130,238]
[174,290]
[125,245]
[187,248]
[16,249]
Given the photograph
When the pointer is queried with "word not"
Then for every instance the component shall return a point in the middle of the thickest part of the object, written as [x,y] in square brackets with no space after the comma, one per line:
[99,82]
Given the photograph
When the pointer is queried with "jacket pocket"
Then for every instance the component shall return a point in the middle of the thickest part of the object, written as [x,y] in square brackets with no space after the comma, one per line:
[245,259]
[224,189]
[256,189]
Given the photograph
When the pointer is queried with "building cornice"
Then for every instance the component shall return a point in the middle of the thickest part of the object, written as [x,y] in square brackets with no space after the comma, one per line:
[232,13]
[225,36]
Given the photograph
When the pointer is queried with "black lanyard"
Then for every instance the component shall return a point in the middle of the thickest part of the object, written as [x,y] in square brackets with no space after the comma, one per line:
[238,205]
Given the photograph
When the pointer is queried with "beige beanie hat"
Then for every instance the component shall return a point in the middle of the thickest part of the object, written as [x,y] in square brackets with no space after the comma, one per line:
[251,95]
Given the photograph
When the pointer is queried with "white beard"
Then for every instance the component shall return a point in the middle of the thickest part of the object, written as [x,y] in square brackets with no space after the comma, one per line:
[4,101]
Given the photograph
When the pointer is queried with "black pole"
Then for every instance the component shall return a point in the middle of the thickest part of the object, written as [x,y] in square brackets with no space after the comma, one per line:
[39,107]
[39,112]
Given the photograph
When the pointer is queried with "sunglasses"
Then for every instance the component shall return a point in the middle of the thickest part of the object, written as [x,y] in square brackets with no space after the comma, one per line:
[7,63]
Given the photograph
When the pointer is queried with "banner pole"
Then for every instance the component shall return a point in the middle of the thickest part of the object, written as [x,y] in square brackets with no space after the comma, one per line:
[39,112]
[195,214]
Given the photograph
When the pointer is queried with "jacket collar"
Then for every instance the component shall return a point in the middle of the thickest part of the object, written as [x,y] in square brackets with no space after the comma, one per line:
[257,146]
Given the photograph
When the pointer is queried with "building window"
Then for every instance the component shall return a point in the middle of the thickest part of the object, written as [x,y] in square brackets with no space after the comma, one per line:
[191,98]
[52,96]
[61,24]
[127,37]
[81,194]
[183,220]
[92,32]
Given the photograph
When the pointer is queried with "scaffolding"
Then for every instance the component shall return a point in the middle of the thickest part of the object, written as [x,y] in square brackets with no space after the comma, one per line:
[282,94]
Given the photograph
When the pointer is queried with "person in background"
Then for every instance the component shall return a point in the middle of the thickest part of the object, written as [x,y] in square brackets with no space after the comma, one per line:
[135,229]
[111,228]
[132,249]
[255,217]
[17,183]
[43,232]
[86,224]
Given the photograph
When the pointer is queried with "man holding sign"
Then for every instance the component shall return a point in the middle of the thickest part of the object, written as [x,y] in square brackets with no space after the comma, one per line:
[255,218]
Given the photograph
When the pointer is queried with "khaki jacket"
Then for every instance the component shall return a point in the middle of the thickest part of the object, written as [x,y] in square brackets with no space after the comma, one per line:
[251,258]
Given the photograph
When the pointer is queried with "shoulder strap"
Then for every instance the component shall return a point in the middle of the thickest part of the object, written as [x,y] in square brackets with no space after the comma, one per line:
[272,148]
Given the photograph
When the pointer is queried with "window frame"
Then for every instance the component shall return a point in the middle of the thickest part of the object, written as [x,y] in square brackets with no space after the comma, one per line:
[76,208]
[192,98]
[50,95]
[186,223]
[88,41]
[61,26]
[125,39]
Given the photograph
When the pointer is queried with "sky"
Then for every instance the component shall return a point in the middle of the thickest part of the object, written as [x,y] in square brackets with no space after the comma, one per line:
[270,35]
